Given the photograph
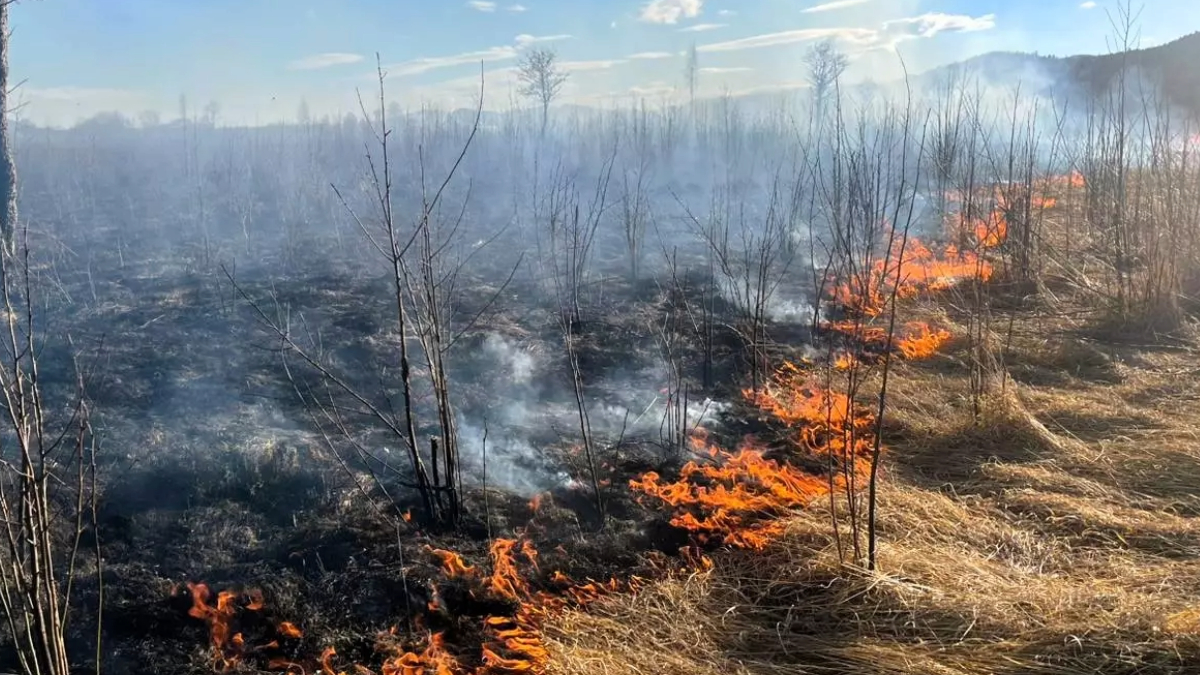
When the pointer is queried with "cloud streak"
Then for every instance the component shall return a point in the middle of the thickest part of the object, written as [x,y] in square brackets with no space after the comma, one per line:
[831,6]
[670,11]
[649,56]
[790,37]
[327,60]
[890,34]
[482,5]
[929,25]
[702,27]
[426,64]
[525,39]
[580,66]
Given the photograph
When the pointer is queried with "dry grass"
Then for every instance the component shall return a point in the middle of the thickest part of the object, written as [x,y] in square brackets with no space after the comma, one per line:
[1059,534]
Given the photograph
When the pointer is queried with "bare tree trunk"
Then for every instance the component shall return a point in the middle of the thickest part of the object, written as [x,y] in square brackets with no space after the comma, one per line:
[8,166]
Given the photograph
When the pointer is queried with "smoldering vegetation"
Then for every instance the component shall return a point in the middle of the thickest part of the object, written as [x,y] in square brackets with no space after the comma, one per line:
[294,337]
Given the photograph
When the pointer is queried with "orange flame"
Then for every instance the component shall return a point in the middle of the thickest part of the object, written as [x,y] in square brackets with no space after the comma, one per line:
[219,619]
[918,270]
[453,566]
[737,498]
[505,580]
[922,342]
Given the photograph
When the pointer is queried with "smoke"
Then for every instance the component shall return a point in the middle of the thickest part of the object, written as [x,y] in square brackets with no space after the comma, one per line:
[496,447]
[782,303]
[528,411]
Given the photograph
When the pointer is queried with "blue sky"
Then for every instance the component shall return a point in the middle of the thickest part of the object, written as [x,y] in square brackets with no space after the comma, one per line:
[259,58]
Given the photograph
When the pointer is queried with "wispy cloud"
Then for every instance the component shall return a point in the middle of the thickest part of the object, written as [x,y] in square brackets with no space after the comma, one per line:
[723,71]
[482,5]
[1088,4]
[702,27]
[516,8]
[889,34]
[577,66]
[830,6]
[647,56]
[525,39]
[671,11]
[327,60]
[929,25]
[425,64]
[789,37]
[428,63]
[726,12]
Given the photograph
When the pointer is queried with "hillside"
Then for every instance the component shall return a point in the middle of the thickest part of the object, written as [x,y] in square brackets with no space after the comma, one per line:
[1171,65]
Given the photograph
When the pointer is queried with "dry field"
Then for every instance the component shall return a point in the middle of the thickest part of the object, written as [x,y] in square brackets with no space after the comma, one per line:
[1056,534]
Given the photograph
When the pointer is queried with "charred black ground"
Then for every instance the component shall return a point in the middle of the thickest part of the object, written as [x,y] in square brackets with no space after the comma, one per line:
[213,472]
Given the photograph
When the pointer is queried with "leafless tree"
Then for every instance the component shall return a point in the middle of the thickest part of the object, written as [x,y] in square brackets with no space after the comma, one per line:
[422,287]
[47,460]
[565,246]
[635,208]
[572,227]
[751,257]
[542,79]
[8,166]
[825,65]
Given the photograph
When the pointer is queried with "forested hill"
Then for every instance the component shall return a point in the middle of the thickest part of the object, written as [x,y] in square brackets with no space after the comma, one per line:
[1174,65]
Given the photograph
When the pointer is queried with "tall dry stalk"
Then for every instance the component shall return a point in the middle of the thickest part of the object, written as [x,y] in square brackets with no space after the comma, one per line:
[47,486]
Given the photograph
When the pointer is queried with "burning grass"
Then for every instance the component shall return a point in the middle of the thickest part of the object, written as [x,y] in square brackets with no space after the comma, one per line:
[1038,559]
[1042,561]
[741,499]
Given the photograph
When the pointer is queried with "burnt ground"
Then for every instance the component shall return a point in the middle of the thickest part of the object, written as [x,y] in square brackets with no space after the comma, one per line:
[213,470]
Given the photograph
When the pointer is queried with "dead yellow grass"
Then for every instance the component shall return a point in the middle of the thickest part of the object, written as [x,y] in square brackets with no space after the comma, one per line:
[1057,534]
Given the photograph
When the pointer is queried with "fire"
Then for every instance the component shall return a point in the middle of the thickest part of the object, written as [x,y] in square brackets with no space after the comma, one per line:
[505,581]
[918,270]
[914,340]
[844,361]
[530,552]
[453,566]
[256,600]
[1074,179]
[737,498]
[219,618]
[921,341]
[433,659]
[990,230]
[515,645]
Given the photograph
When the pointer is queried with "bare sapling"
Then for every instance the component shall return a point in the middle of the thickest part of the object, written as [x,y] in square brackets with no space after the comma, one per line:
[670,333]
[636,211]
[903,206]
[753,260]
[421,285]
[868,196]
[47,459]
[572,240]
[47,485]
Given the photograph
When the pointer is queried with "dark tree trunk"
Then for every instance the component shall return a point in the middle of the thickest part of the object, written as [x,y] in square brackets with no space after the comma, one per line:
[8,167]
